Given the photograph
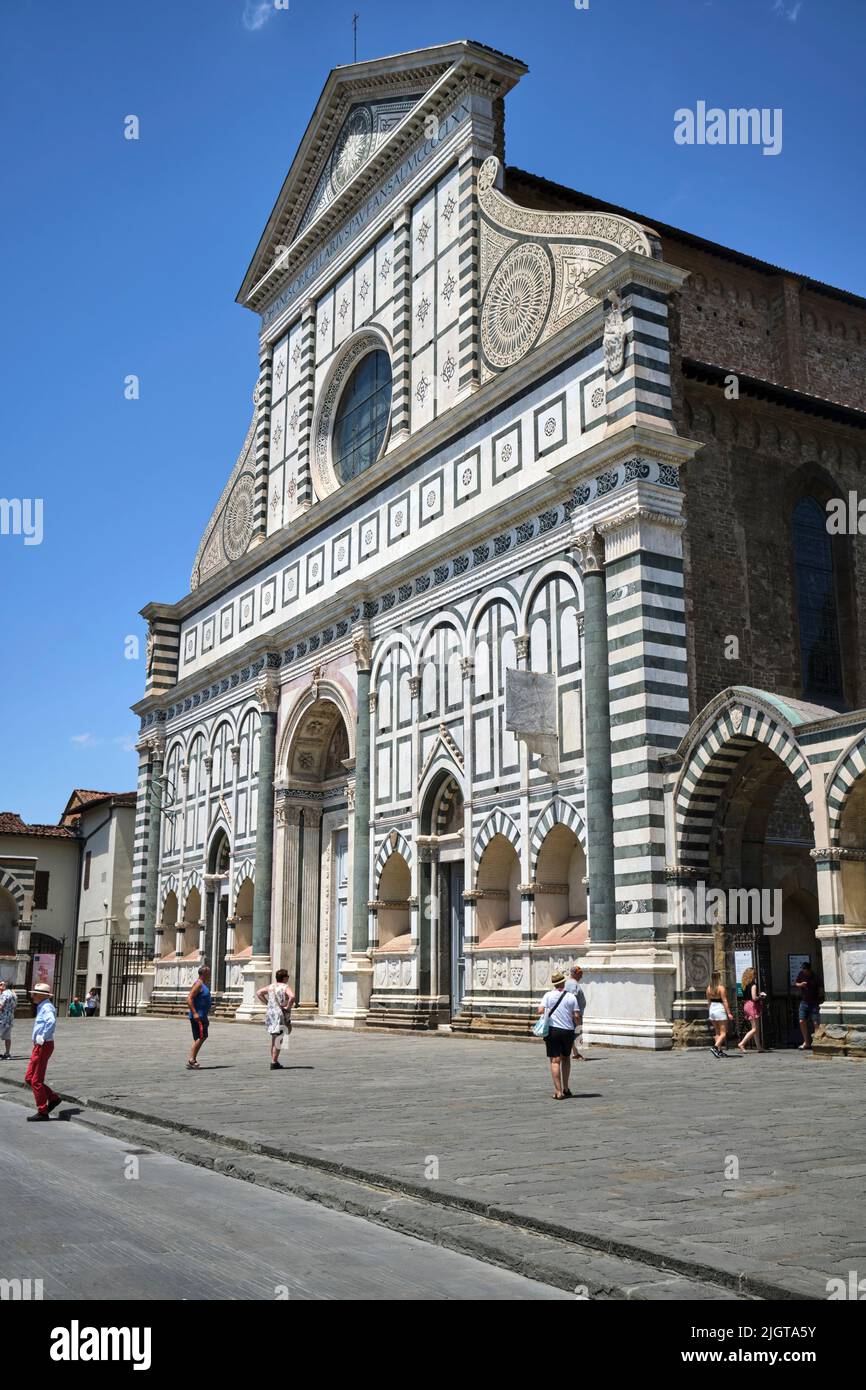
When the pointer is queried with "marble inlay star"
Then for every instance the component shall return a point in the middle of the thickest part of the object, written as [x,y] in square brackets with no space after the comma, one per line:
[423,231]
[448,288]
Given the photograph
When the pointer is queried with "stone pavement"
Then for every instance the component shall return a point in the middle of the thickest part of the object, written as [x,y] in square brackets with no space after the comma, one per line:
[173,1232]
[748,1169]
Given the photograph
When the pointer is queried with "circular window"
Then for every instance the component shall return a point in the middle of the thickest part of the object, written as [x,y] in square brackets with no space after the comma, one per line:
[361,420]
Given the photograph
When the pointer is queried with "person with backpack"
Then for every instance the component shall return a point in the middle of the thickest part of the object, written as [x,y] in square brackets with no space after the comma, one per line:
[558,1016]
[279,998]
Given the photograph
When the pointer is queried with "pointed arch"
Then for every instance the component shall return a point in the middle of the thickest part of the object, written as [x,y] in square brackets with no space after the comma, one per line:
[499,822]
[558,811]
[169,885]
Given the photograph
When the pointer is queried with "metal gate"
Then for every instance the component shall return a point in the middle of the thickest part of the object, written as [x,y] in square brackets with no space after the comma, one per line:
[749,945]
[126,966]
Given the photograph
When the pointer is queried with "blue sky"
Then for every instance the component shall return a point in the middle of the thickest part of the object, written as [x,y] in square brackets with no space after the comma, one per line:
[124,257]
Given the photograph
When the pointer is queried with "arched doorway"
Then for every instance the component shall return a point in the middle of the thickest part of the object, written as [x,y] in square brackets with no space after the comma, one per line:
[312,813]
[217,909]
[441,957]
[560,890]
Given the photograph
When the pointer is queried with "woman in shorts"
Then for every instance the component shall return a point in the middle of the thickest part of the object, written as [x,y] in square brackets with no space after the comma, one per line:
[562,1010]
[278,998]
[720,1013]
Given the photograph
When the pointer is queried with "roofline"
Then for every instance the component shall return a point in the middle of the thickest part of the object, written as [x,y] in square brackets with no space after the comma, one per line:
[714,375]
[690,238]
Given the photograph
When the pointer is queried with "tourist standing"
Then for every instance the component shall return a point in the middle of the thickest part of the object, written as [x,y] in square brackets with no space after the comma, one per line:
[561,1009]
[43,1045]
[76,1008]
[572,984]
[8,1005]
[91,1004]
[198,1002]
[720,1013]
[279,998]
[809,1011]
[753,1007]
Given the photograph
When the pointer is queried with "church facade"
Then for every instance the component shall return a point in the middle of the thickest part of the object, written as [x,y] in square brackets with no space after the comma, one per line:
[514,631]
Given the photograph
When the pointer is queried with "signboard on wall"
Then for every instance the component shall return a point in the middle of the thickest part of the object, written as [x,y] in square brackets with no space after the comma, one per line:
[795,965]
[743,961]
[43,971]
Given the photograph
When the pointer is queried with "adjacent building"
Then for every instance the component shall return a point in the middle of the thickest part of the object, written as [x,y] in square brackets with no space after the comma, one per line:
[518,627]
[65,893]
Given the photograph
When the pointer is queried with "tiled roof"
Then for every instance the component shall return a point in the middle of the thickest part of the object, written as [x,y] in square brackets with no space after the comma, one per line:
[82,800]
[12,824]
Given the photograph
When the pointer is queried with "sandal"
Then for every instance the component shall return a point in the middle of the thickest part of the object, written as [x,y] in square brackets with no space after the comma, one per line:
[568,1093]
[193,1066]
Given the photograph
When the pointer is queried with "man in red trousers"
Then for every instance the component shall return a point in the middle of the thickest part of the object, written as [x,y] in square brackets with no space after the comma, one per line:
[43,1046]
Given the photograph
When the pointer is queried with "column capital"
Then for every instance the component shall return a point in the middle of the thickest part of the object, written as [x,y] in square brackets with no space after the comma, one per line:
[267,691]
[414,686]
[362,646]
[590,548]
[521,647]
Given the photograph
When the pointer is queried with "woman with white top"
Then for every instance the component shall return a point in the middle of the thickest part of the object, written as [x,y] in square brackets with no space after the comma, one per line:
[279,998]
[719,1013]
[561,1007]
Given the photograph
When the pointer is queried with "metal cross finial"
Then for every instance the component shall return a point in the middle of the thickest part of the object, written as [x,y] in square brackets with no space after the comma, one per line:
[355,34]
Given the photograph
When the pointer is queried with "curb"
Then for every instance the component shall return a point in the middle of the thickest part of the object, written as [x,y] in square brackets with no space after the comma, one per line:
[272,1167]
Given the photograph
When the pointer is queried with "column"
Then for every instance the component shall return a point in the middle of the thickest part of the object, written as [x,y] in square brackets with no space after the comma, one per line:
[154,820]
[306,396]
[311,858]
[257,972]
[361,858]
[402,358]
[268,696]
[597,756]
[470,297]
[287,860]
[262,399]
[358,969]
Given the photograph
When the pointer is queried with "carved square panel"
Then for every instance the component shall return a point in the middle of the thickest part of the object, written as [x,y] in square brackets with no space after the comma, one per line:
[368,536]
[467,477]
[507,452]
[227,622]
[290,584]
[341,552]
[246,610]
[316,568]
[549,423]
[208,630]
[268,597]
[431,498]
[398,518]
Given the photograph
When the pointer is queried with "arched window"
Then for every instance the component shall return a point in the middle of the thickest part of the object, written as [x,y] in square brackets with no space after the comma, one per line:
[820,662]
[362,416]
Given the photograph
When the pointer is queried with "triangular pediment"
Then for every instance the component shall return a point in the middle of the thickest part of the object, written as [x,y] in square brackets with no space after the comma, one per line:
[366,113]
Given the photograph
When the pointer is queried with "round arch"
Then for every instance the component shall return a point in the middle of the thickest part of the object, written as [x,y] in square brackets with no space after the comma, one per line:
[549,570]
[324,692]
[720,738]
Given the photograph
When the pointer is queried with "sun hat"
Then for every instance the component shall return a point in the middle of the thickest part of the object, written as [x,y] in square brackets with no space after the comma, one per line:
[41,989]
[558,978]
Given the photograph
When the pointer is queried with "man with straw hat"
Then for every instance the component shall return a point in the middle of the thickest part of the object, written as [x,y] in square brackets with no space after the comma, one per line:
[43,1046]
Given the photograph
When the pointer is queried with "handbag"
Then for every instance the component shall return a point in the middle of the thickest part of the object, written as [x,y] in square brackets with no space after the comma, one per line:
[285,1012]
[541,1027]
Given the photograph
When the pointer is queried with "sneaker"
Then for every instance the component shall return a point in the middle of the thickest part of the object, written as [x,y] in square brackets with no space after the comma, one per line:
[38,1115]
[277,1066]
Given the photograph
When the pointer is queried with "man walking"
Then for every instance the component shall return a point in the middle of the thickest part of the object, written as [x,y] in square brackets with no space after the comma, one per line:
[809,1008]
[198,1002]
[43,1046]
[8,1005]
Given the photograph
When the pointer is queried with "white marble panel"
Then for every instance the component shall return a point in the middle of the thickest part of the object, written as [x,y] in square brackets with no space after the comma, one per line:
[448,208]
[278,433]
[424,232]
[280,369]
[325,326]
[447,370]
[423,309]
[344,309]
[423,388]
[365,288]
[447,288]
[384,270]
[294,355]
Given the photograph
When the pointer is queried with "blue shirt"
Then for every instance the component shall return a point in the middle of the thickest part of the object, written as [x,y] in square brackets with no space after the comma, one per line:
[201,1002]
[44,1022]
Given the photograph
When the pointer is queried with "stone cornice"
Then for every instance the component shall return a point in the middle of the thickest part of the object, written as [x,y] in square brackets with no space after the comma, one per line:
[630,268]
